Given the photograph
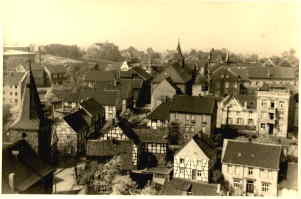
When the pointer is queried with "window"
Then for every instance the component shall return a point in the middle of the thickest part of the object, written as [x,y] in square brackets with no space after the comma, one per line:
[181,160]
[187,117]
[264,103]
[16,101]
[262,125]
[237,183]
[250,122]
[261,174]
[272,104]
[240,121]
[230,120]
[226,84]
[265,187]
[271,116]
[181,170]
[16,93]
[199,173]
[281,104]
[199,162]
[192,119]
[229,168]
[250,171]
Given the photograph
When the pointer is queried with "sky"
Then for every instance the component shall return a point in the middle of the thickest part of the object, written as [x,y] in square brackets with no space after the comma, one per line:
[266,28]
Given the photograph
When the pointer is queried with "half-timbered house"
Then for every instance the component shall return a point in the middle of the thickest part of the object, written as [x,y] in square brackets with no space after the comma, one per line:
[195,161]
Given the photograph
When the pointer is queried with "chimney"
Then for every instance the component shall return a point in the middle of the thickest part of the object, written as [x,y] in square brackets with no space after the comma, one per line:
[11,181]
[218,189]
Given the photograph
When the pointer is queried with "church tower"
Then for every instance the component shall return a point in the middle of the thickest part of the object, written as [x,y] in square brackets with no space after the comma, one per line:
[31,124]
[180,57]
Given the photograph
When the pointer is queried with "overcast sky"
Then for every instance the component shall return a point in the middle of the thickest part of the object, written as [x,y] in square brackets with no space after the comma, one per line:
[264,28]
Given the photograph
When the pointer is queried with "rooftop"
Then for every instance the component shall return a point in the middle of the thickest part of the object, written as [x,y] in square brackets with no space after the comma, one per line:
[193,104]
[27,166]
[251,154]
[92,106]
[161,112]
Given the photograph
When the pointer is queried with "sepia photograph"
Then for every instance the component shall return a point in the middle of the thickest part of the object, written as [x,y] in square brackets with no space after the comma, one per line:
[162,97]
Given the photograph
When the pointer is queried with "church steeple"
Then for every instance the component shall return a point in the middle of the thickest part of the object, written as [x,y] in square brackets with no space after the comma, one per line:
[31,111]
[180,56]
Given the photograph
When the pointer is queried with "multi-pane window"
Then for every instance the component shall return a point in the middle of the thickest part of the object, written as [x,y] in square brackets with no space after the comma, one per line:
[237,183]
[155,148]
[265,187]
[250,171]
[199,173]
[262,125]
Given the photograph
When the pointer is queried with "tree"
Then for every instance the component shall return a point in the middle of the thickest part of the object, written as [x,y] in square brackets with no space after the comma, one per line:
[108,51]
[149,189]
[70,51]
[123,185]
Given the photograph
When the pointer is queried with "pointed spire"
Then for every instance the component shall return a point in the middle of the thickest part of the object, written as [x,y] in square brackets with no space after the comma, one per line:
[181,58]
[31,110]
[179,48]
[227,56]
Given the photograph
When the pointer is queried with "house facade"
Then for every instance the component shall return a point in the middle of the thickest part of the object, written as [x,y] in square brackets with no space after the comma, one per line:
[224,81]
[194,161]
[194,114]
[160,92]
[56,74]
[13,86]
[67,138]
[160,117]
[238,111]
[246,169]
[275,114]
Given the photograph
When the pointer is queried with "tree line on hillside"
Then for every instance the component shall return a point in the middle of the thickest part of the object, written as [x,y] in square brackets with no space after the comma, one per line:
[111,52]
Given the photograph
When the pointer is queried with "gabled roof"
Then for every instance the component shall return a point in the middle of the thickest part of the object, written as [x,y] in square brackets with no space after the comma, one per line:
[178,74]
[100,76]
[92,107]
[54,69]
[193,104]
[161,112]
[31,111]
[76,121]
[105,98]
[242,99]
[196,148]
[251,154]
[180,187]
[148,135]
[27,166]
[108,148]
[142,73]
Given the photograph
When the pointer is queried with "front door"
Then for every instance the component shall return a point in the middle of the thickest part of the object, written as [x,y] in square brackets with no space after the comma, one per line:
[250,186]
[193,173]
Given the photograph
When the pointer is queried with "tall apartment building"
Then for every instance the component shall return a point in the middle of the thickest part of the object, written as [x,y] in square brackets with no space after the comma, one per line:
[275,114]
